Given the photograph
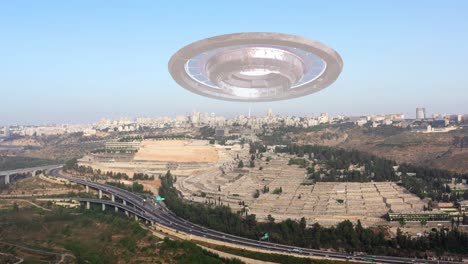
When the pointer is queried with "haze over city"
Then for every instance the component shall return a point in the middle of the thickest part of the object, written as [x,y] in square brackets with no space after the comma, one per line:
[65,62]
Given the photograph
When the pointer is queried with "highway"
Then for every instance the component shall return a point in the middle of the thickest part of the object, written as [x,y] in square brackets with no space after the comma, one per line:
[25,170]
[12,176]
[160,214]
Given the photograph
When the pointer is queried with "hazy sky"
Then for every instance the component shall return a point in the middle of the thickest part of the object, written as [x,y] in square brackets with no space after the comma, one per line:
[78,61]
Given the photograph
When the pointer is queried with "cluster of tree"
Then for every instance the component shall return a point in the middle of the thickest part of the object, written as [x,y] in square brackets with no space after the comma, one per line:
[345,236]
[188,252]
[99,150]
[384,130]
[207,131]
[115,175]
[336,163]
[272,257]
[221,140]
[17,162]
[131,138]
[114,151]
[72,165]
[142,176]
[329,136]
[278,190]
[301,162]
[135,187]
[460,142]
[333,176]
[257,147]
[166,136]
[429,182]
[283,135]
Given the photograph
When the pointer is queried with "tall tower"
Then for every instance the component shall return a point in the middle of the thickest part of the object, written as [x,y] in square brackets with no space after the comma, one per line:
[270,113]
[7,132]
[420,113]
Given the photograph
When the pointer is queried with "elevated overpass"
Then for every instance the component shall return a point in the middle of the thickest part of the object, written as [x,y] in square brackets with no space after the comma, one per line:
[10,176]
[118,206]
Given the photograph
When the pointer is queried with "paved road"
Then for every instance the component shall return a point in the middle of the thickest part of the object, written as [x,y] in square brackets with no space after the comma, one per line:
[160,214]
[25,170]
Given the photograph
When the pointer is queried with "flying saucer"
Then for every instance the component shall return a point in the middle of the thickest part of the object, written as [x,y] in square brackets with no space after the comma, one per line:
[255,67]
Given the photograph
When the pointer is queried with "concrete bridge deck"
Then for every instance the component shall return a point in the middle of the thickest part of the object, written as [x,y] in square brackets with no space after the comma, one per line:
[9,173]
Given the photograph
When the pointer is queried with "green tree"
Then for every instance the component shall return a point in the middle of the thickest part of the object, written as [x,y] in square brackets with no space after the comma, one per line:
[423,222]
[15,207]
[303,223]
[402,222]
[271,219]
[256,194]
[278,190]
[465,195]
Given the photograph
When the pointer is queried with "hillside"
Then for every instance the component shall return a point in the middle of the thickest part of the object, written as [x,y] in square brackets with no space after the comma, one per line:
[90,236]
[434,150]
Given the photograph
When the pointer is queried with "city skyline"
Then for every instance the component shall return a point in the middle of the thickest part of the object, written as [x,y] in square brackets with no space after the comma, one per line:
[78,62]
[259,114]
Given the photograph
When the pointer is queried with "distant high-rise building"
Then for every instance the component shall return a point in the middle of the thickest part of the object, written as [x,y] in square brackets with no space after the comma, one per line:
[420,113]
[323,118]
[195,117]
[5,133]
[465,119]
[270,113]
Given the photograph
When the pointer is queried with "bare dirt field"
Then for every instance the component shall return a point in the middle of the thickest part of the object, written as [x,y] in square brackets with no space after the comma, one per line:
[177,151]
[156,157]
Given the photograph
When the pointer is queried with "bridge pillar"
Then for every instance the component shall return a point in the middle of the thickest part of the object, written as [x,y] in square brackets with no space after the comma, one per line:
[7,179]
[126,212]
[88,205]
[116,209]
[33,173]
[103,207]
[113,198]
[136,218]
[100,194]
[87,189]
[124,202]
